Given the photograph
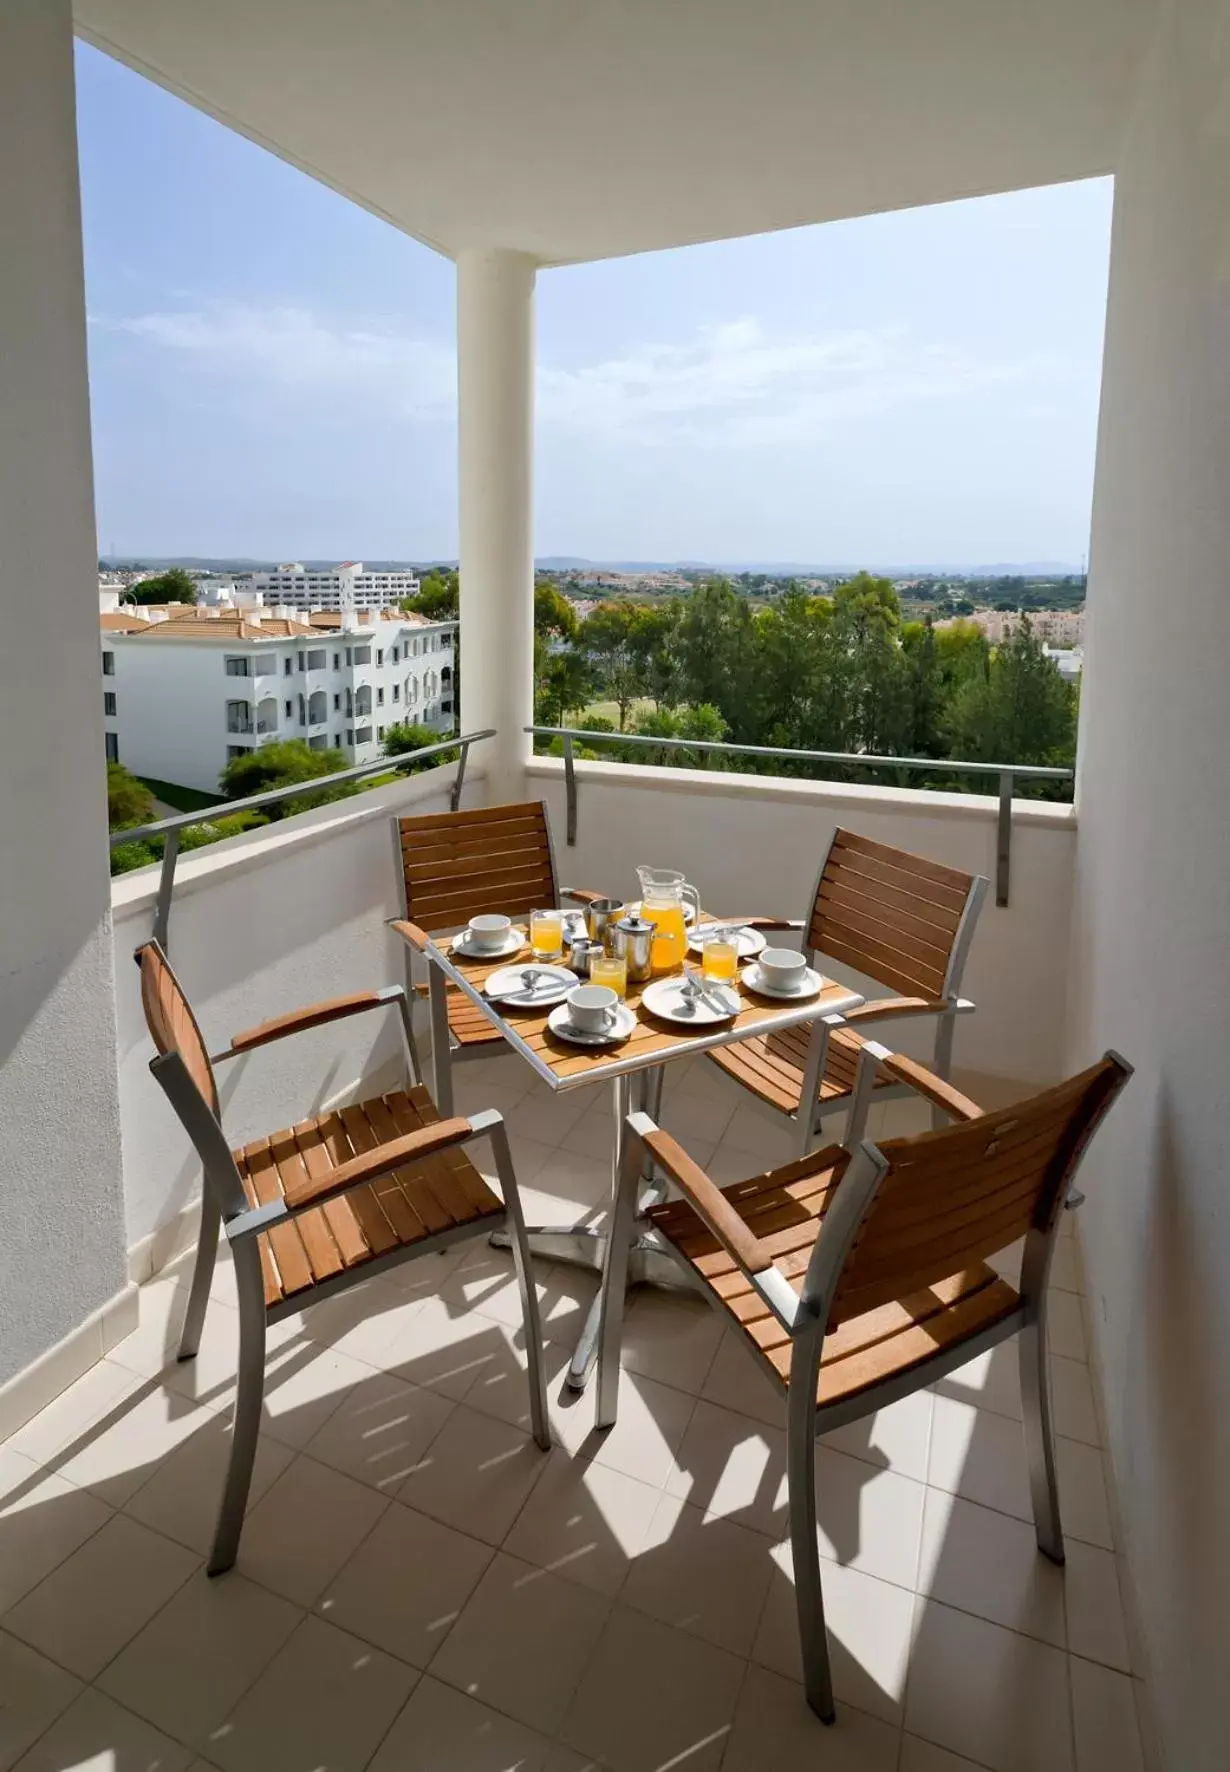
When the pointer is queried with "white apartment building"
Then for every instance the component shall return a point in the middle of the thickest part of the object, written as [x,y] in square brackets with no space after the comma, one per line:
[185,690]
[348,586]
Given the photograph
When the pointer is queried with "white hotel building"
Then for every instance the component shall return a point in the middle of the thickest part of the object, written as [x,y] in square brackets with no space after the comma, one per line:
[186,689]
[348,586]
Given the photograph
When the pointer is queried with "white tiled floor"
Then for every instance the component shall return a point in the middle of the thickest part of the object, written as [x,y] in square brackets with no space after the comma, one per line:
[420,1589]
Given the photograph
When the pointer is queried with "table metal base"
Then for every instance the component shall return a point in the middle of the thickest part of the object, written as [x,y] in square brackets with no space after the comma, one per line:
[584,1245]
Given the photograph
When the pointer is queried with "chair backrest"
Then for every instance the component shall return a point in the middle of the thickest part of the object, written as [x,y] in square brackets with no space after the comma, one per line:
[949,1199]
[172,1025]
[903,920]
[458,865]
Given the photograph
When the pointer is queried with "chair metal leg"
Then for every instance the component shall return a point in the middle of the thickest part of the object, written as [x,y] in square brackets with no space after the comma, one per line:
[412,1051]
[202,1274]
[801,1476]
[611,1296]
[1040,1438]
[248,1397]
[525,1282]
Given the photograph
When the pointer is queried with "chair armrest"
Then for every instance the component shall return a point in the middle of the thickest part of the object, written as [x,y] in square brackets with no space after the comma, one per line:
[893,1006]
[923,1081]
[581,894]
[792,923]
[709,1201]
[312,1016]
[371,1165]
[411,933]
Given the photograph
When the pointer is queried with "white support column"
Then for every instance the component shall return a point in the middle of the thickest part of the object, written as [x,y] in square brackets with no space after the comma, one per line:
[495,355]
[62,1245]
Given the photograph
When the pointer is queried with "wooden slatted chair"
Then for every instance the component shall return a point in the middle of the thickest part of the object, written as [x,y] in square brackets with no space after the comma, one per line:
[898,918]
[313,1208]
[457,865]
[856,1278]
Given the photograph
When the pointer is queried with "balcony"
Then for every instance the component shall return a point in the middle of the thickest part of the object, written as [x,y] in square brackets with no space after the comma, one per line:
[627,1601]
[239,723]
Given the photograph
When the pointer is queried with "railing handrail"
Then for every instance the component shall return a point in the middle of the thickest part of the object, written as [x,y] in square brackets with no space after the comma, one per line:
[1006,774]
[169,828]
[296,791]
[871,759]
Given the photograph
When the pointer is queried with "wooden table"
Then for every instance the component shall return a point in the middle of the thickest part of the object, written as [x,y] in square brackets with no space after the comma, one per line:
[644,1054]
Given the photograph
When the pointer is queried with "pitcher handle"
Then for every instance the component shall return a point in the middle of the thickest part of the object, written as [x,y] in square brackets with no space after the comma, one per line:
[693,898]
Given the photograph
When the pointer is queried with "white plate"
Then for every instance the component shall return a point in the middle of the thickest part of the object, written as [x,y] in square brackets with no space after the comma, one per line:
[810,986]
[634,910]
[559,1023]
[748,942]
[469,950]
[664,998]
[550,986]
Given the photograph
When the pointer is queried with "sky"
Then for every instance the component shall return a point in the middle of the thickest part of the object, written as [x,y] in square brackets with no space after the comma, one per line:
[273,372]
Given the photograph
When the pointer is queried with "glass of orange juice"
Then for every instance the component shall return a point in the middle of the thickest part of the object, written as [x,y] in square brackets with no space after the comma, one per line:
[610,970]
[547,934]
[719,960]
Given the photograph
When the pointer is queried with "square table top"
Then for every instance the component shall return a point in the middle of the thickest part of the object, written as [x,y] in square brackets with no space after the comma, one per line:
[652,1042]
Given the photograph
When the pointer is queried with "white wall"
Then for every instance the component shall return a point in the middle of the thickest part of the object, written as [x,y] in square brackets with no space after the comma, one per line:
[61,1241]
[1152,905]
[262,924]
[752,844]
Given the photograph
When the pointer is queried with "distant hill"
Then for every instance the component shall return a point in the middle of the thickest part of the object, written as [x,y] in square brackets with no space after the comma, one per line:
[578,563]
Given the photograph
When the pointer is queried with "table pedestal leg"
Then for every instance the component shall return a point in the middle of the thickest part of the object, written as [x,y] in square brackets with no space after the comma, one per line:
[584,1245]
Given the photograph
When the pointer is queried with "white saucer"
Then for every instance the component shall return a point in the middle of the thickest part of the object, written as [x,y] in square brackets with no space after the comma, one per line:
[810,986]
[507,986]
[663,997]
[469,950]
[748,942]
[560,1025]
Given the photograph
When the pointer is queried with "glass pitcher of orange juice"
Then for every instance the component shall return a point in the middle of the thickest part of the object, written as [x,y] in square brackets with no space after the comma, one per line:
[664,894]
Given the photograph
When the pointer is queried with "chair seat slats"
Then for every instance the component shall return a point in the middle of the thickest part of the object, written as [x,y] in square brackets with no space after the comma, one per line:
[865,1349]
[398,1209]
[772,1066]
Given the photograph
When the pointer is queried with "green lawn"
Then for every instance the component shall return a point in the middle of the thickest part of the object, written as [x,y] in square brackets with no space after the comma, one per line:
[609,710]
[183,799]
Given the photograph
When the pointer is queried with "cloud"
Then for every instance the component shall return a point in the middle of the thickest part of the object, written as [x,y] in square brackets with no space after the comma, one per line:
[733,385]
[291,349]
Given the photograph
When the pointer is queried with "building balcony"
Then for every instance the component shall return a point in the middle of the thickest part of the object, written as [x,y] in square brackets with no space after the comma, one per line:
[679,1523]
[454,1599]
[239,723]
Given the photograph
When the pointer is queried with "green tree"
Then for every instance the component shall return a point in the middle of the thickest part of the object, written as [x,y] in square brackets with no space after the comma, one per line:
[129,801]
[1019,711]
[172,586]
[795,703]
[688,722]
[406,736]
[566,685]
[438,599]
[279,765]
[554,616]
[715,647]
[654,641]
[606,635]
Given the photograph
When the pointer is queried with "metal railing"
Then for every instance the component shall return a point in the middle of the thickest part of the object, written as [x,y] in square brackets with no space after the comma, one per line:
[1006,774]
[170,828]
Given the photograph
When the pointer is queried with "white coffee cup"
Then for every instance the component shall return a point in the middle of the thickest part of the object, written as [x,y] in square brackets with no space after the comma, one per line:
[591,1007]
[783,968]
[489,932]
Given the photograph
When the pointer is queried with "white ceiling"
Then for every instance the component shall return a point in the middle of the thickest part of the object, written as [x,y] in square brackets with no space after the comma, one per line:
[576,129]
